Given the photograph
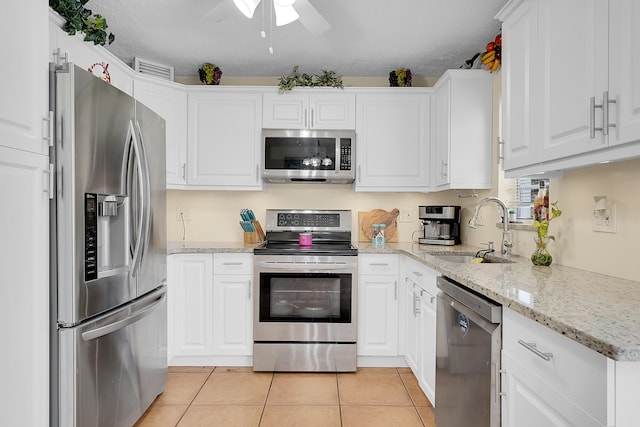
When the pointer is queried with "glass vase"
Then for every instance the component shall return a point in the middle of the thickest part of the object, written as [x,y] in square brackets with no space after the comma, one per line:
[541,256]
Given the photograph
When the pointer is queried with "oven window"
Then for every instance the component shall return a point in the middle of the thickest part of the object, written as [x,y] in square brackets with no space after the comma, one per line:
[300,153]
[305,297]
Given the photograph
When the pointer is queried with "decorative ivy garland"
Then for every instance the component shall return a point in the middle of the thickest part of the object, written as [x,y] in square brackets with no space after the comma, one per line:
[82,19]
[327,78]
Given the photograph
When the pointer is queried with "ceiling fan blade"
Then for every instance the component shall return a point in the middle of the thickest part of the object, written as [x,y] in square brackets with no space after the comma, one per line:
[285,14]
[311,18]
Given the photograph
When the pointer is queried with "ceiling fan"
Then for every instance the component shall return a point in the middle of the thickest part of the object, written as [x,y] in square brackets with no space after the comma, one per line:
[288,11]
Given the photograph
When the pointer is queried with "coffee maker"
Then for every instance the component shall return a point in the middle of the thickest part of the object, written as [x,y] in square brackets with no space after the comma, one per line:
[440,225]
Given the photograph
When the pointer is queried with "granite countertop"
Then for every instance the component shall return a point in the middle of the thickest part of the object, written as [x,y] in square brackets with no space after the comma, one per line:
[598,311]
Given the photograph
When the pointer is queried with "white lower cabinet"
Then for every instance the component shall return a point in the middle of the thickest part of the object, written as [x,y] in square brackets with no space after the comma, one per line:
[550,380]
[420,317]
[210,309]
[233,304]
[377,305]
[191,305]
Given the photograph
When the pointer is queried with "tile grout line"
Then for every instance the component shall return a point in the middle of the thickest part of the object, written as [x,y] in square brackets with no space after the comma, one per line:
[413,403]
[264,406]
[195,396]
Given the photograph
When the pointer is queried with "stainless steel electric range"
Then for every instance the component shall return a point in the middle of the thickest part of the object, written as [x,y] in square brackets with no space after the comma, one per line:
[306,293]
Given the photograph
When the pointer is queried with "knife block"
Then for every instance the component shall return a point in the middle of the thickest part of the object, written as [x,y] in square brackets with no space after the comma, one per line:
[254,236]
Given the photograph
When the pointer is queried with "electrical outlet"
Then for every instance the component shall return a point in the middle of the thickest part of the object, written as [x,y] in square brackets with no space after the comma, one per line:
[406,215]
[606,222]
[182,214]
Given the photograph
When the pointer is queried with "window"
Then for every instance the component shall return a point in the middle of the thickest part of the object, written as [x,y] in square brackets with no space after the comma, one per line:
[527,190]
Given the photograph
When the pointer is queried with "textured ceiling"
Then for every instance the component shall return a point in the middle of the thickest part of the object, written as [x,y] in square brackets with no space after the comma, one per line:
[367,38]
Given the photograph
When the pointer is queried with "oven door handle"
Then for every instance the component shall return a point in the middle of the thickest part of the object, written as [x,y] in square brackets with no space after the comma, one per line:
[297,267]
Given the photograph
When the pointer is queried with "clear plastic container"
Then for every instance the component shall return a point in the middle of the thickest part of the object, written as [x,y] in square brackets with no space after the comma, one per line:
[379,238]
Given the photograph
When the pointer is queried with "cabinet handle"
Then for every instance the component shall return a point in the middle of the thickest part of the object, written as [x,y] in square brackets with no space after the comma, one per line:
[231,263]
[605,113]
[305,118]
[379,264]
[395,290]
[257,173]
[184,171]
[359,174]
[249,289]
[312,121]
[500,150]
[533,348]
[592,117]
[417,273]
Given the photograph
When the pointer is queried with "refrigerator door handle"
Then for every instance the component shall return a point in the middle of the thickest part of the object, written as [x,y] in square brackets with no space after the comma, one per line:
[134,167]
[145,190]
[133,318]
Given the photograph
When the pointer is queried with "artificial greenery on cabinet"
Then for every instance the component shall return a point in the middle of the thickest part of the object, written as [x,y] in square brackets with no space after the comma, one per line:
[79,18]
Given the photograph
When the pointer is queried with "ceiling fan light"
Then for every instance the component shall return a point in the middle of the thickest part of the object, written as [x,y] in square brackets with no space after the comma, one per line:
[285,14]
[247,7]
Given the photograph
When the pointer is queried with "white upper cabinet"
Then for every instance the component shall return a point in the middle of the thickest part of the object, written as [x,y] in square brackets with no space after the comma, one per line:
[170,101]
[461,126]
[569,68]
[624,71]
[24,103]
[224,139]
[324,109]
[392,138]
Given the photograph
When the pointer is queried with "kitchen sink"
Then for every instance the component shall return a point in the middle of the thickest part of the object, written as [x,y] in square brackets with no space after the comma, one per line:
[466,259]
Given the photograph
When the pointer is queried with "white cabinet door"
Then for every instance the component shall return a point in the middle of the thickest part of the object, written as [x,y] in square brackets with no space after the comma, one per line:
[530,402]
[573,47]
[412,318]
[303,110]
[24,103]
[24,294]
[170,101]
[377,315]
[521,97]
[462,121]
[192,285]
[624,70]
[392,137]
[232,315]
[224,140]
[427,355]
[330,110]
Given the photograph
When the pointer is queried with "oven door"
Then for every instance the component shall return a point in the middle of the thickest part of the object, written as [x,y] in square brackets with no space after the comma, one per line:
[305,298]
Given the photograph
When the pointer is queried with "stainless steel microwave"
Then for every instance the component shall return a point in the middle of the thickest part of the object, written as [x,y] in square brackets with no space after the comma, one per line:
[305,155]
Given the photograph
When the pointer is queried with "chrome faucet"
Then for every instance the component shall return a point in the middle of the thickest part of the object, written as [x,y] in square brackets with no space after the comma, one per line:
[507,243]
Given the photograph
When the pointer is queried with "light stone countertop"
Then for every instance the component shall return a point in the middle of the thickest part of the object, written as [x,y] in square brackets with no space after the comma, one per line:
[598,311]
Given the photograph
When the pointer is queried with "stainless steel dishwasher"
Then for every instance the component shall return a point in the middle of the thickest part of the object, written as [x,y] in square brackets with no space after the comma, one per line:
[468,343]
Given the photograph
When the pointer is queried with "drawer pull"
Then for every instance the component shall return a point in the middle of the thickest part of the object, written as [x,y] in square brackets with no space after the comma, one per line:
[379,264]
[229,264]
[532,347]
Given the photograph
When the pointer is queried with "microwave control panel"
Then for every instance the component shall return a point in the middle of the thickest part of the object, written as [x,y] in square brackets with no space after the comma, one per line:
[345,154]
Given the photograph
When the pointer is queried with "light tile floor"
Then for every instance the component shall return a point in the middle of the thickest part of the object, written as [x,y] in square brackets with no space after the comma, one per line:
[238,397]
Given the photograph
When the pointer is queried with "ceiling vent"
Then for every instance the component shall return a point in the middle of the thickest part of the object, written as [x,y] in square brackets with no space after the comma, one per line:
[153,69]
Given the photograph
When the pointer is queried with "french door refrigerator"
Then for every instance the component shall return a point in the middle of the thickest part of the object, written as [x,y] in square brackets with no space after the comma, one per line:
[109,333]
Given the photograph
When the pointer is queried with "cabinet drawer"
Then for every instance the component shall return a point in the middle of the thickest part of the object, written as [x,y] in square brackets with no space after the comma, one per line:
[232,263]
[378,264]
[421,275]
[572,369]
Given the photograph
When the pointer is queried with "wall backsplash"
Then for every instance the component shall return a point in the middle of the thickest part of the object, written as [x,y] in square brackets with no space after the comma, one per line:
[214,215]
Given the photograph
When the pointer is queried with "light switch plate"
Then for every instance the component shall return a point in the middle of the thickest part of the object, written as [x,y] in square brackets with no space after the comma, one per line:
[406,215]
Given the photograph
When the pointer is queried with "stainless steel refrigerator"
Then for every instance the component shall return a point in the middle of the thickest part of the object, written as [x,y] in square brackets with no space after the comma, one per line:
[109,332]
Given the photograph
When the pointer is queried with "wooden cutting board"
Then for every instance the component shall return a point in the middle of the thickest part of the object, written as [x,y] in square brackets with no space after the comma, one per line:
[378,216]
